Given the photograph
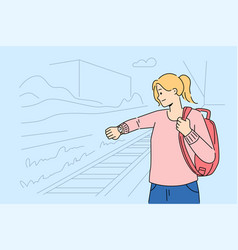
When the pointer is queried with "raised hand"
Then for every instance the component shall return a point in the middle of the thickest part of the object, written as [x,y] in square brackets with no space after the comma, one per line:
[112,133]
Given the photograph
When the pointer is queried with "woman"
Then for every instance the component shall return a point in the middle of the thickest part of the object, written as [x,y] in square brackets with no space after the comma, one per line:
[172,181]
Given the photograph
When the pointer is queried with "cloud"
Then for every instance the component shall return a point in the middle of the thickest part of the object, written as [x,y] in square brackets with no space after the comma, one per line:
[151,62]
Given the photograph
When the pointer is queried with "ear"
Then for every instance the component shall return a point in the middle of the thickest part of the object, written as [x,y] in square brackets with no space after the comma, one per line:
[175,91]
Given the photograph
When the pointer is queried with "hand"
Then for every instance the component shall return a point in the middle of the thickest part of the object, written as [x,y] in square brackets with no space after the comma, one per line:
[112,133]
[183,126]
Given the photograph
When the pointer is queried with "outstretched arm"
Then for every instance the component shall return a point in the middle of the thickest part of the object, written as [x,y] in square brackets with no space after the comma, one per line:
[145,121]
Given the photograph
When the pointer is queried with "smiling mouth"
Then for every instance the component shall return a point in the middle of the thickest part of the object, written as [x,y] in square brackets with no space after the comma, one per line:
[163,100]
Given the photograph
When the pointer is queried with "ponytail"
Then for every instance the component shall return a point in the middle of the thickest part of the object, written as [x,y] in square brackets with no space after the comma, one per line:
[186,88]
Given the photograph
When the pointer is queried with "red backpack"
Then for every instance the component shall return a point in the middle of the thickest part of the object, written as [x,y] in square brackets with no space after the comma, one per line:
[200,167]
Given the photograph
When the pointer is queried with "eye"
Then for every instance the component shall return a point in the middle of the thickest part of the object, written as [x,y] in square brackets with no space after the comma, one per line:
[160,93]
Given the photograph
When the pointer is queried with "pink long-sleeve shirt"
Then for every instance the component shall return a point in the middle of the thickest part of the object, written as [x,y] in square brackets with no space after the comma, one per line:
[168,166]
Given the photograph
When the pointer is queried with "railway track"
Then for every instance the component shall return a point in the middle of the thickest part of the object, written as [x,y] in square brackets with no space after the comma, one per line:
[100,177]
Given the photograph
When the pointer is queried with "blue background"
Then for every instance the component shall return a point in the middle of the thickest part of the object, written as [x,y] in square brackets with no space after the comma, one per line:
[108,75]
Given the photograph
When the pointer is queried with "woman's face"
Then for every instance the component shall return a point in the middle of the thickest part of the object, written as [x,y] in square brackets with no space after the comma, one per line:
[165,97]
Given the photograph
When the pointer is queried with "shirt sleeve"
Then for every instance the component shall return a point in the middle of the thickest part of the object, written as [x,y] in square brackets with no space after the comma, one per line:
[144,121]
[199,139]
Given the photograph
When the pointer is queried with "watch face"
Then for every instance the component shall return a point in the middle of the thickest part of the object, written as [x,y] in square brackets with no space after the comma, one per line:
[120,129]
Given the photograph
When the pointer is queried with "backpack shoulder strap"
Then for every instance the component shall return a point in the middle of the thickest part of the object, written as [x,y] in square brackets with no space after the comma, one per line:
[186,111]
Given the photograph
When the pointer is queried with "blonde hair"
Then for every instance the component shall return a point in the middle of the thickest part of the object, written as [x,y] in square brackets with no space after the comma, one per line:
[171,81]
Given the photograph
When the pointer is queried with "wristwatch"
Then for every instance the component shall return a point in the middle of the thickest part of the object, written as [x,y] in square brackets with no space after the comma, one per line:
[119,128]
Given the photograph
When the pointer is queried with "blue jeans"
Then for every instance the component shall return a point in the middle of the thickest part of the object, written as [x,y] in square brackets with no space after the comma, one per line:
[183,194]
